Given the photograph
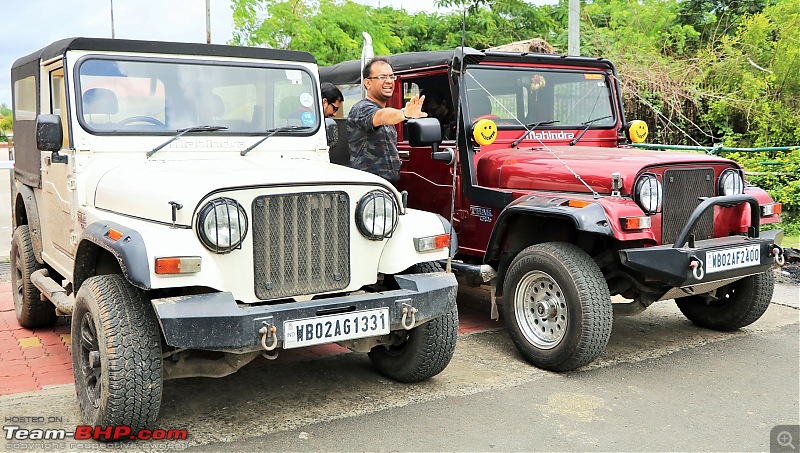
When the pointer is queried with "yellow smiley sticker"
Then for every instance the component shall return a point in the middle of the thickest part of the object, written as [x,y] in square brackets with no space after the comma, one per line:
[484,132]
[637,131]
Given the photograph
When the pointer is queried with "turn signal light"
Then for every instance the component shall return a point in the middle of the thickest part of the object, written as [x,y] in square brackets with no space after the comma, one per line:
[113,234]
[771,209]
[178,265]
[578,203]
[432,242]
[635,223]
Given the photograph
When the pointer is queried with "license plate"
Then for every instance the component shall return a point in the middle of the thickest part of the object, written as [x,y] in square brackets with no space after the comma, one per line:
[332,328]
[736,258]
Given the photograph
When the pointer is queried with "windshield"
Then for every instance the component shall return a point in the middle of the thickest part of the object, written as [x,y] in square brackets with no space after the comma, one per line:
[517,96]
[153,96]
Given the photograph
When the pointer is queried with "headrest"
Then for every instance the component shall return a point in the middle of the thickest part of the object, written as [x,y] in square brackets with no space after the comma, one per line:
[100,100]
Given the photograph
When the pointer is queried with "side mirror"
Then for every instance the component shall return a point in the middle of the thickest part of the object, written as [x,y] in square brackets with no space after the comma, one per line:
[49,134]
[424,132]
[331,131]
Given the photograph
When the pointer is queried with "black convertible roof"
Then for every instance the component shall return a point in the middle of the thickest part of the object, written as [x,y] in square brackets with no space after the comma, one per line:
[349,72]
[161,47]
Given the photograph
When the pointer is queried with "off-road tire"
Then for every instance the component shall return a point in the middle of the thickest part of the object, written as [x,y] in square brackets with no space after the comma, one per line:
[426,350]
[574,324]
[31,311]
[741,303]
[114,328]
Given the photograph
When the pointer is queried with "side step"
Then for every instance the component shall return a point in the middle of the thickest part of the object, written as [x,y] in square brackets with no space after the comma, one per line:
[53,292]
[483,273]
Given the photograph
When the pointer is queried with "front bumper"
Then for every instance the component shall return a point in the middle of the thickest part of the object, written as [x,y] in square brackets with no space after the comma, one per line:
[672,264]
[215,321]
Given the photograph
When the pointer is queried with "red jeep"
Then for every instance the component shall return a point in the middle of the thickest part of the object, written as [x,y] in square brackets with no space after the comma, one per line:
[558,212]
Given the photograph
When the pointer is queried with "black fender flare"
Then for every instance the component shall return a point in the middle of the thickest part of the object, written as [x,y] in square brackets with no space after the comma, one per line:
[28,200]
[129,250]
[591,218]
[453,236]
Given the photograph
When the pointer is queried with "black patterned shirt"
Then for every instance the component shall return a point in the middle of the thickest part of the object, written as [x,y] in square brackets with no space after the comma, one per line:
[372,149]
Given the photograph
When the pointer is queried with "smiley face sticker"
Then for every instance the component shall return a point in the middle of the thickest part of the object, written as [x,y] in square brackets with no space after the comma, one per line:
[484,132]
[637,131]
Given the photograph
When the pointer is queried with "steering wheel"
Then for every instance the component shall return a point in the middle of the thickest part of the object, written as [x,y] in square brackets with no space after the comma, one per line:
[141,119]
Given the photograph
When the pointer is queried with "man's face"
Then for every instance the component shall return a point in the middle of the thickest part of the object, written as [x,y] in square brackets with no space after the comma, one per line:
[377,88]
[330,109]
[435,109]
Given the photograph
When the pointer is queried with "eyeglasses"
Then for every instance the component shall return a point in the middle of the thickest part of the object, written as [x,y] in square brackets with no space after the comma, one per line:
[384,78]
[335,108]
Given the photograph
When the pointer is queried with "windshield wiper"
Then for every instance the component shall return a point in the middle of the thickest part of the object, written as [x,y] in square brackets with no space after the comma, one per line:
[181,132]
[270,133]
[587,124]
[529,128]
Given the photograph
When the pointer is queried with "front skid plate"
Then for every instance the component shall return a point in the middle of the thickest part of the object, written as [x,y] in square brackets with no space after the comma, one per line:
[215,321]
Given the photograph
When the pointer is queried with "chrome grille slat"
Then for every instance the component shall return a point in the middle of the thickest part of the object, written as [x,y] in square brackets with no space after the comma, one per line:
[682,190]
[301,244]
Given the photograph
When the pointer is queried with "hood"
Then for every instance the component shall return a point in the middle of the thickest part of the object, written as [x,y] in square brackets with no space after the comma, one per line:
[540,169]
[145,189]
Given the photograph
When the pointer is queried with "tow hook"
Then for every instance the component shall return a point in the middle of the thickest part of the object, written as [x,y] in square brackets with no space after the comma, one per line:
[265,330]
[408,309]
[777,252]
[697,268]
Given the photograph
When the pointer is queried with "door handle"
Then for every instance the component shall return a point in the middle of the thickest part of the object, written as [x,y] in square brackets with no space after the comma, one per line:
[404,154]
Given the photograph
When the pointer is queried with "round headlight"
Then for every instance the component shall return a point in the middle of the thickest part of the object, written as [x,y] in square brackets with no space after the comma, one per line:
[376,215]
[222,225]
[649,193]
[731,183]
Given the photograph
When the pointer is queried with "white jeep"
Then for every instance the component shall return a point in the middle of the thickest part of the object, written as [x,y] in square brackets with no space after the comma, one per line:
[178,202]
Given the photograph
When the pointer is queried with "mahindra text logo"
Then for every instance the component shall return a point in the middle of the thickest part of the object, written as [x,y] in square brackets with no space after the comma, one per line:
[554,135]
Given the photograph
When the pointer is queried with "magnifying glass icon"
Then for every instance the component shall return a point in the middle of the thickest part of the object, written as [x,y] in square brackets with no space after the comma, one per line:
[784,439]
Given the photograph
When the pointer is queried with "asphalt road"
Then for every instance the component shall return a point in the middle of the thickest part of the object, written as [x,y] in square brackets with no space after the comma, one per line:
[661,384]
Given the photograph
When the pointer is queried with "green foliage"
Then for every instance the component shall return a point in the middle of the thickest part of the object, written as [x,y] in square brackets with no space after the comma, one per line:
[6,123]
[722,71]
[751,80]
[331,29]
[776,172]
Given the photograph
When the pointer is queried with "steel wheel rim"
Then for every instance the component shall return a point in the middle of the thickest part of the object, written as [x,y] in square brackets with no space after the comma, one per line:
[91,369]
[541,310]
[18,281]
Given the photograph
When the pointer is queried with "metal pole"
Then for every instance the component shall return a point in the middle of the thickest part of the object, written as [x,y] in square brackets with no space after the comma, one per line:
[574,28]
[113,36]
[208,21]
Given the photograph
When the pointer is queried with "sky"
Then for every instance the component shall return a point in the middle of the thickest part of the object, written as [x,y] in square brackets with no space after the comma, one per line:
[29,25]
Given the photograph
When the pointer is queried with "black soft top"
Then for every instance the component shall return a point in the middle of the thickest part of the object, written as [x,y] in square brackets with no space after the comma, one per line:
[58,48]
[349,72]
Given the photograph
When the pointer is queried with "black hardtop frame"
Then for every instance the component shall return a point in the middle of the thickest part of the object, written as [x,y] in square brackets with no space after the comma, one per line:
[349,72]
[58,48]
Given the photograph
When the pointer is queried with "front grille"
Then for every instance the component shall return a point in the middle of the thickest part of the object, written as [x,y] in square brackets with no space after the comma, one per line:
[682,190]
[301,244]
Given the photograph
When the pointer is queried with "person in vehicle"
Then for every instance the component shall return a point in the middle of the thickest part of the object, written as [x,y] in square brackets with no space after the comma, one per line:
[480,107]
[370,124]
[331,99]
[437,105]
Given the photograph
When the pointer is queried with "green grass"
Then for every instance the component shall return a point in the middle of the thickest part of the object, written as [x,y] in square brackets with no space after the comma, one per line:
[791,241]
[790,224]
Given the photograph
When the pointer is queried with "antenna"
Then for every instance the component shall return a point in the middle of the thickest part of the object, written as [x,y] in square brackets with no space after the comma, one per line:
[458,134]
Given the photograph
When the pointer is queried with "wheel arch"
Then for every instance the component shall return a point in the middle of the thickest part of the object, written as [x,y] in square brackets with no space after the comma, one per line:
[586,227]
[99,254]
[26,212]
